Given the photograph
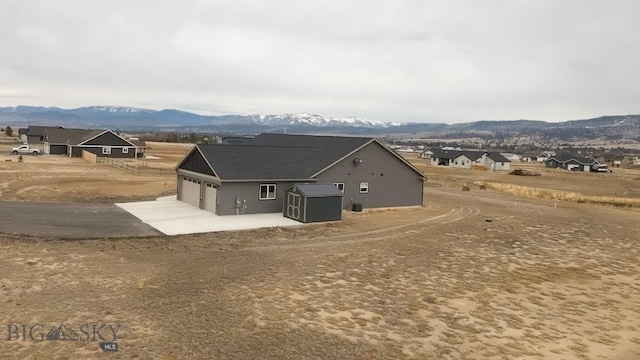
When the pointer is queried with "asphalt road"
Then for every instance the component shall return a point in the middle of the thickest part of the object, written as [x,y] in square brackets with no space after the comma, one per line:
[70,220]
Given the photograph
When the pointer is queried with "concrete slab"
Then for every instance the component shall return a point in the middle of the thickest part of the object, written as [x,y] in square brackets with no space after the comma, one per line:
[173,217]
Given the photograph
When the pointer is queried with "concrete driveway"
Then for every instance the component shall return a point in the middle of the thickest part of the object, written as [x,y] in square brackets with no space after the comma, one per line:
[70,220]
[173,217]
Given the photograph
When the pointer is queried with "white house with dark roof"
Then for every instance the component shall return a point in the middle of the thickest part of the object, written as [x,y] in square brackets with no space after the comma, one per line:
[467,159]
[251,177]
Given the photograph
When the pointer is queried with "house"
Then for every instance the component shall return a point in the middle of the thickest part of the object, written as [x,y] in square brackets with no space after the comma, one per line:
[614,160]
[22,135]
[34,135]
[103,143]
[426,154]
[251,177]
[511,156]
[570,162]
[467,159]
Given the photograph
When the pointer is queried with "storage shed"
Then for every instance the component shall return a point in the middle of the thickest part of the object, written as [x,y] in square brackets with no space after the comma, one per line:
[313,202]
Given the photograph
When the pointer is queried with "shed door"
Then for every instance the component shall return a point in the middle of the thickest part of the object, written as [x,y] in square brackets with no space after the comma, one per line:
[293,206]
[190,191]
[210,193]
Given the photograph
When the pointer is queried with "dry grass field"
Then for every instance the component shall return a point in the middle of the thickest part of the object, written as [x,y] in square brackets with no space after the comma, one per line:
[479,274]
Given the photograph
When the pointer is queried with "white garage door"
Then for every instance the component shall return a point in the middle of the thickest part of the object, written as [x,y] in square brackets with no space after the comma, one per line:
[190,191]
[210,193]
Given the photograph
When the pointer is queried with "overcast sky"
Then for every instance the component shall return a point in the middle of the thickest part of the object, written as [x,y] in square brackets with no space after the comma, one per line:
[424,61]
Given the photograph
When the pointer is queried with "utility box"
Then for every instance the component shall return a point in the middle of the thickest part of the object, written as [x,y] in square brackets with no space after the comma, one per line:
[356,207]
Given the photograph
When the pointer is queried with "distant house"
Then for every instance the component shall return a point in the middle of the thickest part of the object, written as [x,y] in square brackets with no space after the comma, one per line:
[615,160]
[102,143]
[537,156]
[570,162]
[251,177]
[511,156]
[22,135]
[467,159]
[34,135]
[426,154]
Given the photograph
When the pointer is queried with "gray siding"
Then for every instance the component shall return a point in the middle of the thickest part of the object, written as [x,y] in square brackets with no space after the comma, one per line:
[250,192]
[391,182]
[115,152]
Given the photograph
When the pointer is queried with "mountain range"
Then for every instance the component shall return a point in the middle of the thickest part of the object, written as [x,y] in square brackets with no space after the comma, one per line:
[144,120]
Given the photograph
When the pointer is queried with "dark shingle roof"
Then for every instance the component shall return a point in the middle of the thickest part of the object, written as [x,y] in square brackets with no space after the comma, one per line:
[281,157]
[563,158]
[64,136]
[276,156]
[244,162]
[497,157]
[470,154]
[318,190]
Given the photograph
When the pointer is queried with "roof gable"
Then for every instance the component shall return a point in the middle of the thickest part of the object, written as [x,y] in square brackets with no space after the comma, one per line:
[196,162]
[104,137]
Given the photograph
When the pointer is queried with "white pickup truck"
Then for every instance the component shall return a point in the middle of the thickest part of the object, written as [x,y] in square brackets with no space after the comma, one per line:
[25,149]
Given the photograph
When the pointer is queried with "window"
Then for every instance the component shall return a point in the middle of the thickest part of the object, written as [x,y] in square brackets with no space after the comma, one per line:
[125,150]
[364,187]
[340,186]
[267,191]
[106,150]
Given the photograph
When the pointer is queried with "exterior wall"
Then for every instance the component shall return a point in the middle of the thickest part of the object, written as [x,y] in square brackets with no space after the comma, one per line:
[461,162]
[440,162]
[391,182]
[490,164]
[322,209]
[249,194]
[116,152]
[552,163]
[35,139]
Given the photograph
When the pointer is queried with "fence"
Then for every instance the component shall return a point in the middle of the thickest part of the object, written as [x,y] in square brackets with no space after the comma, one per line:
[123,165]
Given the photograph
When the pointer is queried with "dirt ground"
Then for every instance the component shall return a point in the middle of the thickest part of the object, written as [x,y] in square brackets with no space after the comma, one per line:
[479,274]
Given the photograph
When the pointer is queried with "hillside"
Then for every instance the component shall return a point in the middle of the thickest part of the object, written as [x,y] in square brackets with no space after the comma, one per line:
[619,127]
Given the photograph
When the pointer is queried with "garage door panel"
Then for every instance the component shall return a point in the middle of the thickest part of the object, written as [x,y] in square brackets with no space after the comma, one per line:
[190,191]
[210,194]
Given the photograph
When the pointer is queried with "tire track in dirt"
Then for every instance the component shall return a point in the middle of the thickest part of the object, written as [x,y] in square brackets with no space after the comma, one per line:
[454,215]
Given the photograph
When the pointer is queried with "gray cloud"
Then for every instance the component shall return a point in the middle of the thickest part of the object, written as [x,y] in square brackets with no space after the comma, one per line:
[449,61]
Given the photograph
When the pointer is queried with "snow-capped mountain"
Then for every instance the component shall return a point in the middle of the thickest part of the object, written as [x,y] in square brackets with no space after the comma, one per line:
[137,119]
[316,120]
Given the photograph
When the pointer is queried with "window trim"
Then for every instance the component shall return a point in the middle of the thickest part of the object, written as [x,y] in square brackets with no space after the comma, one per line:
[364,187]
[268,197]
[106,150]
[340,186]
[125,150]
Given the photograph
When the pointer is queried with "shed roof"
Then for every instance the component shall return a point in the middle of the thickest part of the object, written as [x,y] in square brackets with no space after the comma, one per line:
[317,190]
